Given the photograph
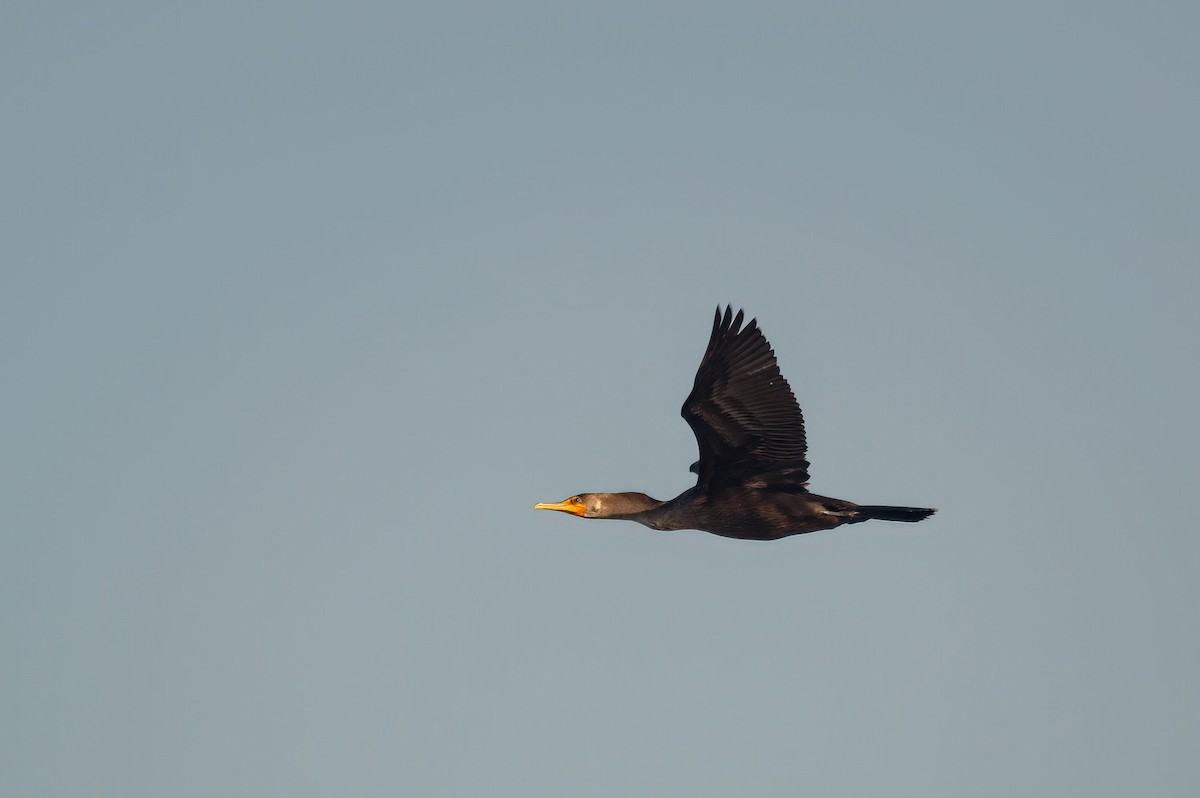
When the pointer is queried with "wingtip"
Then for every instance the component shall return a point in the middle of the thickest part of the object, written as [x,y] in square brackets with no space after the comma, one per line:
[727,324]
[726,314]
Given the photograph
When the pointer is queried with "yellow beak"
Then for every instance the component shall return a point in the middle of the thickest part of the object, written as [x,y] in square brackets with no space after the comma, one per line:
[572,506]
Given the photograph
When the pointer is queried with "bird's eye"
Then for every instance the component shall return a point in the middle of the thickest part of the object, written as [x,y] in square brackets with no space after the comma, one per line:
[575,500]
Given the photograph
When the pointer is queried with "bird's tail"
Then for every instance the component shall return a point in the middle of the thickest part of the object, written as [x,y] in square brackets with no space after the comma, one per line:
[868,512]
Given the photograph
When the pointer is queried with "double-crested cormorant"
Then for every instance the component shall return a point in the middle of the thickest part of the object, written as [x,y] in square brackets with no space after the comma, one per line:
[752,473]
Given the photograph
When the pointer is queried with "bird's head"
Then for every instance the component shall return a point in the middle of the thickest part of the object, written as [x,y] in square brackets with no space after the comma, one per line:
[603,505]
[584,505]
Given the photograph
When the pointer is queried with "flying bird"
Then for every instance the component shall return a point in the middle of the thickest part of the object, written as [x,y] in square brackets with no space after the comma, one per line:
[752,476]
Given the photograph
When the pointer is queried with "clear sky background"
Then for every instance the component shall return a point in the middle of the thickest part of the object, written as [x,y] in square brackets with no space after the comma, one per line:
[304,305]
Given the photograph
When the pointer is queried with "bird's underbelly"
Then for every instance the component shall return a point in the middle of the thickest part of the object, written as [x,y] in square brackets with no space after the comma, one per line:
[753,529]
[787,515]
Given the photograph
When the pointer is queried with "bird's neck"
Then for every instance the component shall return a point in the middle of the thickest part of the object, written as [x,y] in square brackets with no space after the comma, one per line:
[627,506]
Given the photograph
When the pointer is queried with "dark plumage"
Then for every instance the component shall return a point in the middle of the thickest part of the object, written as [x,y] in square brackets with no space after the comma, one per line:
[752,475]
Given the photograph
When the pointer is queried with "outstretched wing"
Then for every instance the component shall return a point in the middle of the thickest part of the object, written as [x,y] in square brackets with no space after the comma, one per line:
[745,417]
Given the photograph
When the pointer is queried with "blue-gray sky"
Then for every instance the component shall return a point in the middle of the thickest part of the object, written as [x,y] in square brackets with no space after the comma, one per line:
[304,305]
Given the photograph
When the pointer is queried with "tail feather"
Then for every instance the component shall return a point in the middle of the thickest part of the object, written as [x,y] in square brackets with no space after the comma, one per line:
[885,513]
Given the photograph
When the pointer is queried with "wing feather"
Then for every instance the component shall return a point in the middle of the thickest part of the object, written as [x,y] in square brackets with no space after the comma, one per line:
[746,420]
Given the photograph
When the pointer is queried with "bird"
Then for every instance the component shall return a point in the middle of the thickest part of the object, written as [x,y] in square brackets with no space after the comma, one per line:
[752,475]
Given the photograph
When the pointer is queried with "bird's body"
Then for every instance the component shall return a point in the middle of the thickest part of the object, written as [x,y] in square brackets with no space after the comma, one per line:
[752,473]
